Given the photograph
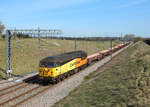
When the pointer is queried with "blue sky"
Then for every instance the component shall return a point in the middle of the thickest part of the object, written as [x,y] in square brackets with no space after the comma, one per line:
[79,17]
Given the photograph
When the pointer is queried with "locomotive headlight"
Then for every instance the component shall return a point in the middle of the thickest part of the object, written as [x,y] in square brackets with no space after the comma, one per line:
[46,69]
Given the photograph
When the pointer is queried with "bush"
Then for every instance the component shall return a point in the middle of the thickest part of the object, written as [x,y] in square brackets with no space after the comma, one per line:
[3,36]
[137,39]
[19,35]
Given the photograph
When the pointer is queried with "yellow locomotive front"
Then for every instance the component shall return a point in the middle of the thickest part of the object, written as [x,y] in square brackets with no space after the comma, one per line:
[47,70]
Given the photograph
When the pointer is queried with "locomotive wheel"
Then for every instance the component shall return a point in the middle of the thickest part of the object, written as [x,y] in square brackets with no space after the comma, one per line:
[67,75]
[53,82]
[73,72]
[61,77]
[76,70]
[58,79]
[70,72]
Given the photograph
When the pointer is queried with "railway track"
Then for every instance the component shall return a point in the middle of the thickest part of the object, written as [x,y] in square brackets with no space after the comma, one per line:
[33,93]
[7,92]
[24,96]
[4,92]
[16,86]
[19,99]
[12,86]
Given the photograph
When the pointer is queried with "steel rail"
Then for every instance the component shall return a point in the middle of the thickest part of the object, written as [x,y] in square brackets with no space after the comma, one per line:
[14,98]
[10,86]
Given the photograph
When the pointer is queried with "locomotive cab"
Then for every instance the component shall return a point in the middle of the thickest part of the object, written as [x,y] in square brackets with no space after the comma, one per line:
[51,68]
[48,69]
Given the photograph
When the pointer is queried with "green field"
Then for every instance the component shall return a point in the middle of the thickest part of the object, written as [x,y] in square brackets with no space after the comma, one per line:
[123,82]
[25,58]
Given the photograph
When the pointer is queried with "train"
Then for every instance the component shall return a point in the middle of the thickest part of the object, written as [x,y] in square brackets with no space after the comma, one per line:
[56,68]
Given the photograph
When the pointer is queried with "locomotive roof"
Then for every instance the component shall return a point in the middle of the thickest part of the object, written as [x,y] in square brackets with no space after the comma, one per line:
[65,57]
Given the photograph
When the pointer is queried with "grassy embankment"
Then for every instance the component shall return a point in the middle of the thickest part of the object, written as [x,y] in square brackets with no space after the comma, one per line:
[25,58]
[123,82]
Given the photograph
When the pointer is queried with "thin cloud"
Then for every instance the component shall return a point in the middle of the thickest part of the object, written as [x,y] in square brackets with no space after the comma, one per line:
[50,4]
[39,5]
[133,3]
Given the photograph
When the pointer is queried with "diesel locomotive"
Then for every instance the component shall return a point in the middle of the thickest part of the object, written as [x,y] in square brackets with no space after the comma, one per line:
[56,68]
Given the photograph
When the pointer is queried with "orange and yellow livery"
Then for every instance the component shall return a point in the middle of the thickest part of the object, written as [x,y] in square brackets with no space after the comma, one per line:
[55,66]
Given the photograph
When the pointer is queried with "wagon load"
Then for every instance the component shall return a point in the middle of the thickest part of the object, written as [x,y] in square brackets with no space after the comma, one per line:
[105,52]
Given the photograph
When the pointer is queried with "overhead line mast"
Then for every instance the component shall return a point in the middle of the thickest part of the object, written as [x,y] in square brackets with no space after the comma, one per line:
[14,32]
